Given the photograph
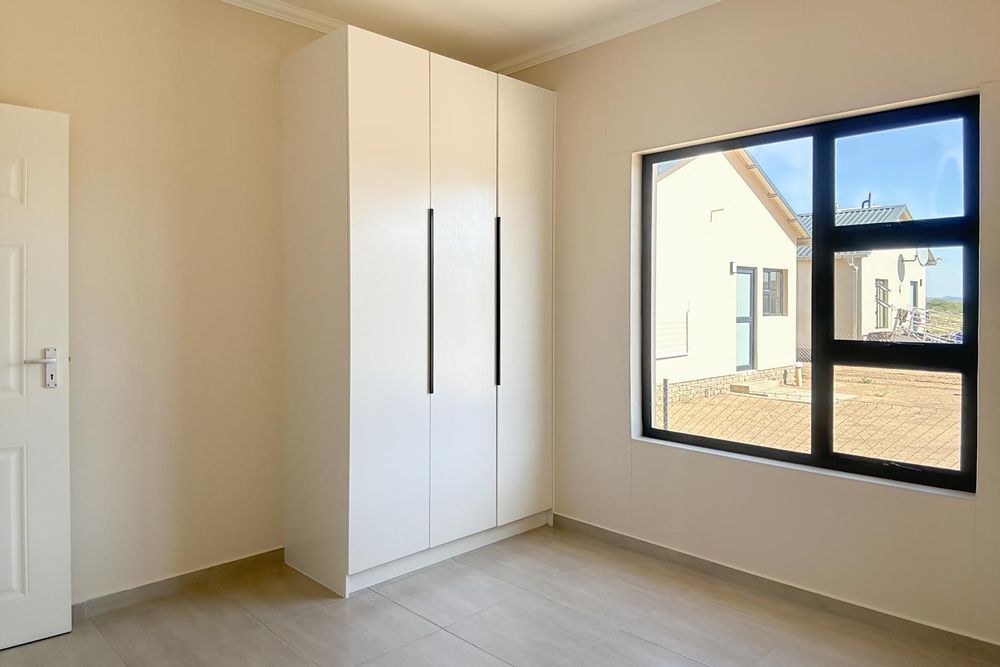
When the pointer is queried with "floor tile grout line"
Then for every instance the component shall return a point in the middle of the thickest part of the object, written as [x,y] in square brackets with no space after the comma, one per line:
[286,643]
[520,591]
[610,622]
[107,641]
[441,627]
[670,650]
[280,618]
[186,594]
[404,607]
[484,572]
[553,600]
[478,648]
[454,560]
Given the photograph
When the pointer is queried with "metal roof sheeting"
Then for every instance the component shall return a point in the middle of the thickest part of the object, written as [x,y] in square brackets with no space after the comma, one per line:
[870,215]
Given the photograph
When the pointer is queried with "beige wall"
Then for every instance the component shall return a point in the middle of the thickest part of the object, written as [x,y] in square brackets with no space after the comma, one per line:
[175,252]
[739,66]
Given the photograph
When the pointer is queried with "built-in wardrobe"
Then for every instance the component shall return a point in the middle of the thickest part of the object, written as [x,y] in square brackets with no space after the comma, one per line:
[417,213]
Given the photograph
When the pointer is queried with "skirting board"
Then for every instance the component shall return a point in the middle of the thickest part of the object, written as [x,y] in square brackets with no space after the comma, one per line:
[171,585]
[270,559]
[926,634]
[407,564]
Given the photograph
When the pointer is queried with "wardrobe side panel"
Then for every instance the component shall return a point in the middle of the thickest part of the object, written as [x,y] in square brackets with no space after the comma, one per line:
[524,398]
[316,248]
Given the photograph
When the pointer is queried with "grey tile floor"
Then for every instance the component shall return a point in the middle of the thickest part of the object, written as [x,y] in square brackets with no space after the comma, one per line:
[548,597]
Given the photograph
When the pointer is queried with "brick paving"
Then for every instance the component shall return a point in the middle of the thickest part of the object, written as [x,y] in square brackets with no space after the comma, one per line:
[904,416]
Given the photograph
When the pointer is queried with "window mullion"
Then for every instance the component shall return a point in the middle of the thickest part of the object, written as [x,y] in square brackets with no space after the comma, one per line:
[822,295]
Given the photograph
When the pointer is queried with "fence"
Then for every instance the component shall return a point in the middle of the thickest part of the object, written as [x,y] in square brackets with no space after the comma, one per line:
[681,392]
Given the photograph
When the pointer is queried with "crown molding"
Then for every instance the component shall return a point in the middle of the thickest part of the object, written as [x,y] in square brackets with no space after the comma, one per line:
[609,31]
[322,23]
[287,12]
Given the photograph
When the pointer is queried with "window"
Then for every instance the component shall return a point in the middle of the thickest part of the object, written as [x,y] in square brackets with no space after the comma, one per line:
[868,227]
[882,306]
[672,337]
[774,291]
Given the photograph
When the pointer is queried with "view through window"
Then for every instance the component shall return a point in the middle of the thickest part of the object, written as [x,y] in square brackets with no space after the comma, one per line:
[737,243]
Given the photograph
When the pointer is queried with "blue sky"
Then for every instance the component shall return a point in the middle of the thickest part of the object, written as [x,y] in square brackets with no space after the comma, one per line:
[920,166]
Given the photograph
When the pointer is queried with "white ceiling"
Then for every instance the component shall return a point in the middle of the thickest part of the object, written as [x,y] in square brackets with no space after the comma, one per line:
[505,35]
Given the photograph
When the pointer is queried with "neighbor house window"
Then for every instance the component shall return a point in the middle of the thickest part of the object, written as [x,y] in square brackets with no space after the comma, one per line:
[774,291]
[882,306]
[868,227]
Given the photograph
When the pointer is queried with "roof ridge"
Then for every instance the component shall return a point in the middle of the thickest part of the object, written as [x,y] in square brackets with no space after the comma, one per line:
[857,208]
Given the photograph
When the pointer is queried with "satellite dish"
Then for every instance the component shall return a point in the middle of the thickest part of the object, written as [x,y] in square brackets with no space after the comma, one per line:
[901,268]
[926,258]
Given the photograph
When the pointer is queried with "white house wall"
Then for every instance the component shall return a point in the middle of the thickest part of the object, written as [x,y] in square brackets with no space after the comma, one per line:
[884,264]
[847,293]
[803,304]
[706,217]
[844,277]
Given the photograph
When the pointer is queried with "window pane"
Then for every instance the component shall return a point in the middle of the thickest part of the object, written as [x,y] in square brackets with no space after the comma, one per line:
[898,415]
[744,345]
[902,295]
[773,291]
[744,294]
[908,173]
[726,233]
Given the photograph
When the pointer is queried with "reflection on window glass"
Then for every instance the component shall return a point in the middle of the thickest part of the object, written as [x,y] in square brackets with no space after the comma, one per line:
[898,415]
[727,242]
[900,295]
[907,173]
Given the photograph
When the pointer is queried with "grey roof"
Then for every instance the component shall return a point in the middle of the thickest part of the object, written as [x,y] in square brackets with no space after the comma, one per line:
[869,215]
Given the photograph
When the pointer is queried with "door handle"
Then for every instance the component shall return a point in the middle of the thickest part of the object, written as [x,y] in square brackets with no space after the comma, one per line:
[496,303]
[51,363]
[430,301]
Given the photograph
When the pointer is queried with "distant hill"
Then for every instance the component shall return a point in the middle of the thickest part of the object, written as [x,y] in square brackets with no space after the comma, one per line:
[945,304]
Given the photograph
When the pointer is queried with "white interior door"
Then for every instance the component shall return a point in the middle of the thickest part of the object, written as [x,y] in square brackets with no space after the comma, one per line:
[34,398]
[390,400]
[463,196]
[524,204]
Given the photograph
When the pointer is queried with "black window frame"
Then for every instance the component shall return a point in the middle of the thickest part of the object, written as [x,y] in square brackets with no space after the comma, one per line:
[767,294]
[828,239]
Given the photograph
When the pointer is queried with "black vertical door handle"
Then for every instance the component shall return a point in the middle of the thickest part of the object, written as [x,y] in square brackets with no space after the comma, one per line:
[496,302]
[430,301]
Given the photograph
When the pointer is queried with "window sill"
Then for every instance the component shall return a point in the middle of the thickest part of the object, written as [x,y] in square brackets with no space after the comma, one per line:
[907,486]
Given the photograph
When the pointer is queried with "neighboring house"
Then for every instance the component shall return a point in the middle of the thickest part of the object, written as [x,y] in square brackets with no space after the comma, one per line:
[872,288]
[732,276]
[724,283]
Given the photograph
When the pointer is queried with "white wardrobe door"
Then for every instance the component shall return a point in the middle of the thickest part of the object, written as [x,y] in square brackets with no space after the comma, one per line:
[463,195]
[390,403]
[524,397]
